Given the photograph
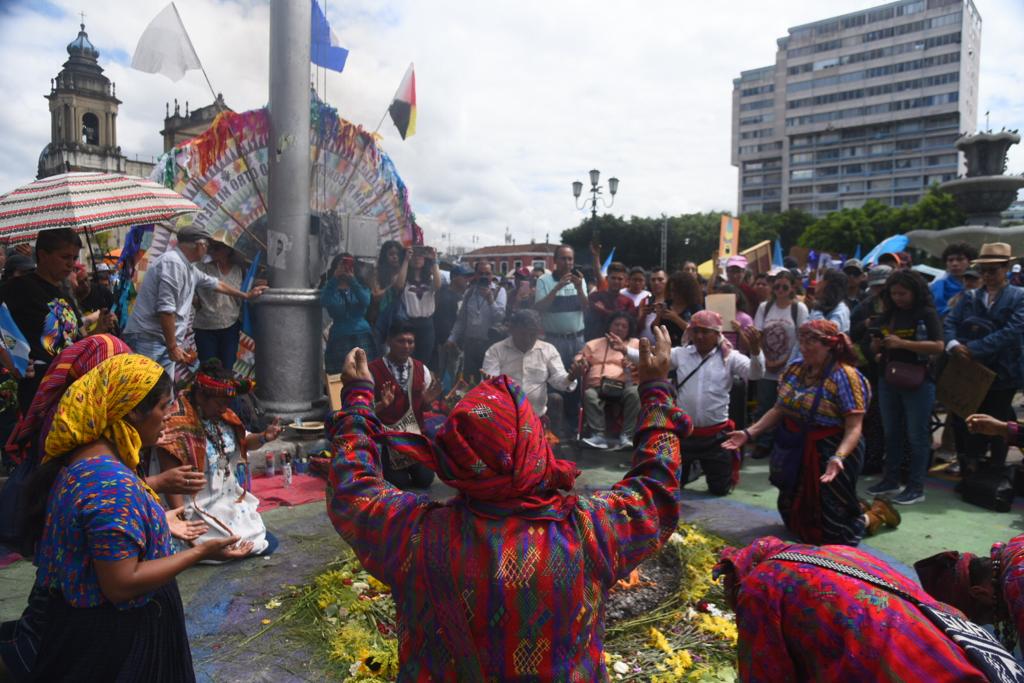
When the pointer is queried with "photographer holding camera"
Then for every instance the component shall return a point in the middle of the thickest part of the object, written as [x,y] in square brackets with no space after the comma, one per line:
[482,308]
[345,298]
[561,301]
[419,283]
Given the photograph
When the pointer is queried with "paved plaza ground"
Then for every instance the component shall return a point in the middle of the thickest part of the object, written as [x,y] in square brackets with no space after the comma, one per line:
[225,605]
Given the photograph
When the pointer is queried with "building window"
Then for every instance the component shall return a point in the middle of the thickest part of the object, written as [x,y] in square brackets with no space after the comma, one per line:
[801,158]
[504,267]
[830,205]
[802,174]
[90,129]
[518,264]
[828,188]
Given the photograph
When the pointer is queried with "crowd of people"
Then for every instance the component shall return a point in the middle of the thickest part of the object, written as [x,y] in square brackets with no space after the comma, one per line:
[122,478]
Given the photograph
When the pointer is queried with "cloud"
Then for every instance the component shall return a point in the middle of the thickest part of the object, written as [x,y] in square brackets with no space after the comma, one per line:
[515,99]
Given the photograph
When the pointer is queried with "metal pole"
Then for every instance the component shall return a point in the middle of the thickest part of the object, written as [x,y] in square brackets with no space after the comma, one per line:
[289,378]
[664,242]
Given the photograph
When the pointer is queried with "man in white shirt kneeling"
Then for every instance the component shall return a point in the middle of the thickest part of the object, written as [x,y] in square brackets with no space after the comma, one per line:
[704,370]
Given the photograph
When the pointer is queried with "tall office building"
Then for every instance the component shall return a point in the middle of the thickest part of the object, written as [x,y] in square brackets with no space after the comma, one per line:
[861,106]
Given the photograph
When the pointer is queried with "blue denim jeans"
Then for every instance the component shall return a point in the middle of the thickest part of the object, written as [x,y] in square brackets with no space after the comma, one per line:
[222,344]
[912,408]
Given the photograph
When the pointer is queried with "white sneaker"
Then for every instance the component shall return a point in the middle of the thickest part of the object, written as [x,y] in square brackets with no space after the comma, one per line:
[596,441]
[625,443]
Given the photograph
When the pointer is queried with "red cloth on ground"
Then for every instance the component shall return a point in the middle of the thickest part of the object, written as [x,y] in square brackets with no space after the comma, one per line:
[799,622]
[273,493]
[526,594]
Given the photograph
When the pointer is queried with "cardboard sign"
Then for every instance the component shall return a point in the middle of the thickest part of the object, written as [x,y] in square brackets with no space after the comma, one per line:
[725,306]
[962,385]
[728,236]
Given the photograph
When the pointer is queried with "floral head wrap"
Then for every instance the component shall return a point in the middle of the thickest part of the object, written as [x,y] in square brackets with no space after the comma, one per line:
[207,380]
[828,334]
[96,404]
[72,363]
[492,448]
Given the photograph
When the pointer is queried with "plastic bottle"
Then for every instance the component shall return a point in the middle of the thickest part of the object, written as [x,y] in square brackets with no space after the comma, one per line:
[271,471]
[286,470]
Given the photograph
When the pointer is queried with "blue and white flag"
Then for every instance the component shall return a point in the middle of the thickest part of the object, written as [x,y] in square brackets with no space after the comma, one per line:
[13,340]
[325,47]
[607,262]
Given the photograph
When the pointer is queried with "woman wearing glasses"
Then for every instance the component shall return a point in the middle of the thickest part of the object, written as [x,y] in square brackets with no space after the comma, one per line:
[778,318]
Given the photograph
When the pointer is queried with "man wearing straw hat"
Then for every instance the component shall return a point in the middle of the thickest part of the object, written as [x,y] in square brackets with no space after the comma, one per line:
[986,326]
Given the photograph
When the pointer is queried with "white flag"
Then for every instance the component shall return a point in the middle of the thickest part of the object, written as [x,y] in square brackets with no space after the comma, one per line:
[165,47]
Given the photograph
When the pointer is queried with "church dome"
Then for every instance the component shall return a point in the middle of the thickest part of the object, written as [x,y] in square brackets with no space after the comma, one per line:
[81,47]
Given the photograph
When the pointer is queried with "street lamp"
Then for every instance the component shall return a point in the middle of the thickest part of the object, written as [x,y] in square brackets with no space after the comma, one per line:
[595,193]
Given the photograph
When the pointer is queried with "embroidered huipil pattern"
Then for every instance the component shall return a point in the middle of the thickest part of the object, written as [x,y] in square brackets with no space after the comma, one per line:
[532,590]
[97,510]
[799,622]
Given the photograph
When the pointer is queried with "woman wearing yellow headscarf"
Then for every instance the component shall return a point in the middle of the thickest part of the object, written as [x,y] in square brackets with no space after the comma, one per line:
[104,554]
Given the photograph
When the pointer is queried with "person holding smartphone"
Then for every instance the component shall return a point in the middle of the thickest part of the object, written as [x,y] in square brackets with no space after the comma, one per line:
[346,298]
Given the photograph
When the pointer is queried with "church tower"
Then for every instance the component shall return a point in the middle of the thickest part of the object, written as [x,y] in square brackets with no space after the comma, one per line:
[83,118]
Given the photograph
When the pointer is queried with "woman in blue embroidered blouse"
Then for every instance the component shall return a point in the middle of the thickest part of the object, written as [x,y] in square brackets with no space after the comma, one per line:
[818,450]
[103,551]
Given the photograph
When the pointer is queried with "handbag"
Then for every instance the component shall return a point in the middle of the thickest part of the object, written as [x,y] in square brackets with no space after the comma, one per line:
[981,648]
[990,488]
[902,375]
[610,389]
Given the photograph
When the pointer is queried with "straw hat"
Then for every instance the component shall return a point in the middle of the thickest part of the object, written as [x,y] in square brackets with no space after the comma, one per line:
[994,252]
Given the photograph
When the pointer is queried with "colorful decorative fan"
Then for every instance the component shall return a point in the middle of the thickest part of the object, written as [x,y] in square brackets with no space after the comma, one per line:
[225,172]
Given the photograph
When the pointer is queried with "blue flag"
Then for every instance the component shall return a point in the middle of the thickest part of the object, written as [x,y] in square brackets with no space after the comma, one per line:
[325,47]
[246,286]
[777,254]
[607,262]
[13,340]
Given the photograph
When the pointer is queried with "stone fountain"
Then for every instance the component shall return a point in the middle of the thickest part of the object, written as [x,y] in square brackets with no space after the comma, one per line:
[983,194]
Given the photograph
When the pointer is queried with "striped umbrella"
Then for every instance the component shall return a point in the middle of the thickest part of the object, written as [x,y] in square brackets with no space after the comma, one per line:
[88,203]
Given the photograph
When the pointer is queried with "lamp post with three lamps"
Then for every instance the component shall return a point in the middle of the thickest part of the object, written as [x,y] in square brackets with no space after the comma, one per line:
[595,194]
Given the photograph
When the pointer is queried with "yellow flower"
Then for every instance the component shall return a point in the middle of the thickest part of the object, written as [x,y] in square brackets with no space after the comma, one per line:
[660,641]
[680,662]
[718,626]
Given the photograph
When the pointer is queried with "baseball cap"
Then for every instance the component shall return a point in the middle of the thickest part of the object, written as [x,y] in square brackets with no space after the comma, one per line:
[737,261]
[853,263]
[878,275]
[194,233]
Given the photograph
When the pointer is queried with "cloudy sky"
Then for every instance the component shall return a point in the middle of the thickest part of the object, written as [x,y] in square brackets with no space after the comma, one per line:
[516,98]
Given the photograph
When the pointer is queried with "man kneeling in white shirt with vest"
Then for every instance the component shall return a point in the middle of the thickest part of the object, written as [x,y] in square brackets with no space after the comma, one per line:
[534,364]
[705,368]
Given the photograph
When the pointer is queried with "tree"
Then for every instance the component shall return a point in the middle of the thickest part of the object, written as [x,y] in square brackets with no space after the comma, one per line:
[841,231]
[786,226]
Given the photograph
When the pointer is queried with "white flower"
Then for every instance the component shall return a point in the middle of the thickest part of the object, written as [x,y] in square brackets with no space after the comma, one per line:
[620,667]
[360,587]
[676,538]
